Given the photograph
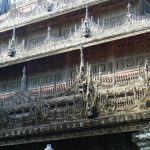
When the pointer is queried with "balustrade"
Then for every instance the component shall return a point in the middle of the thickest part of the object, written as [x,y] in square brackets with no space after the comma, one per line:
[125,77]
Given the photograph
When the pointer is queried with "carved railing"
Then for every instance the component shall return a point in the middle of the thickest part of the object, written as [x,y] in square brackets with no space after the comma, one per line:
[47,92]
[122,77]
[40,106]
[121,92]
[120,101]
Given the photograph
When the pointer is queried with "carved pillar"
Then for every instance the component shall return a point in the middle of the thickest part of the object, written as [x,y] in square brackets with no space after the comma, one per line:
[142,139]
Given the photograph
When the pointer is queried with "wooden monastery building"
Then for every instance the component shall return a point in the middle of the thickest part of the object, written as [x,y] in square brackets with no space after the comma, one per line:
[75,74]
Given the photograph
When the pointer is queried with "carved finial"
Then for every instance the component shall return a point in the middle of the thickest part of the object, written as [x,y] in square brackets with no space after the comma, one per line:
[12,44]
[86,24]
[23,80]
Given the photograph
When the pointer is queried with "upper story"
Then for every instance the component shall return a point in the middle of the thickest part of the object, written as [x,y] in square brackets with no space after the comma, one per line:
[42,29]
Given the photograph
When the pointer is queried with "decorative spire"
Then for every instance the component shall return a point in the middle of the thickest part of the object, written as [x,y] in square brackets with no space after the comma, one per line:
[12,44]
[23,80]
[82,67]
[86,24]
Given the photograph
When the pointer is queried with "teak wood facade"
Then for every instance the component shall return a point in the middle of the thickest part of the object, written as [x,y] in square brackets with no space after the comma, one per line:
[70,77]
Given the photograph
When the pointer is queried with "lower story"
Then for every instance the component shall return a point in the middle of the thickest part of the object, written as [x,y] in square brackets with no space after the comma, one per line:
[121,141]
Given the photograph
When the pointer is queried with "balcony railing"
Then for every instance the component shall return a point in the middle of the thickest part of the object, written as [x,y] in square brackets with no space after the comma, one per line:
[36,11]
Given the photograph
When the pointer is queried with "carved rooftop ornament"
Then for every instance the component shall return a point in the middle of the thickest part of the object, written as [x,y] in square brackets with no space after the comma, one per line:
[86,24]
[12,44]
